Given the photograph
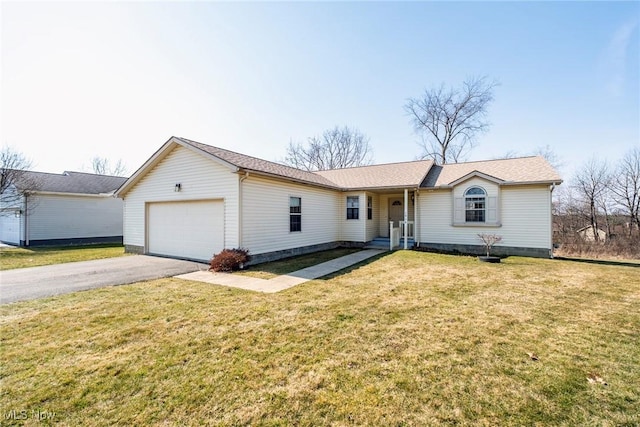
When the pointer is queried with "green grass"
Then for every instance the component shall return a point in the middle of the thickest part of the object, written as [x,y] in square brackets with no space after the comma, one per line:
[21,257]
[277,268]
[407,339]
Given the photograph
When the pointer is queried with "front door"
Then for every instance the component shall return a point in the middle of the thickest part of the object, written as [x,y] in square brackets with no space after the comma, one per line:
[396,211]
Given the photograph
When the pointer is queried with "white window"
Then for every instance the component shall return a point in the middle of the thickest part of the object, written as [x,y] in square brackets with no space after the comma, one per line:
[353,207]
[475,205]
[295,214]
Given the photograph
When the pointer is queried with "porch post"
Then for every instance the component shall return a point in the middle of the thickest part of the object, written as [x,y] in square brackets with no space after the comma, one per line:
[416,236]
[406,216]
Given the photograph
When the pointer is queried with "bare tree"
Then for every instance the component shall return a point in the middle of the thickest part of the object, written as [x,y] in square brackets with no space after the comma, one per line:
[335,148]
[15,180]
[13,165]
[591,182]
[546,152]
[568,212]
[625,186]
[103,166]
[448,120]
[549,155]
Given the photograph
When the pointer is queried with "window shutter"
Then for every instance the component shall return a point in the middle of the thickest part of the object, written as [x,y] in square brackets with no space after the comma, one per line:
[458,210]
[492,209]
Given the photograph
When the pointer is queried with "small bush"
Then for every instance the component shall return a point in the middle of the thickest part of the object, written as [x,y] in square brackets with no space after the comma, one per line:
[229,260]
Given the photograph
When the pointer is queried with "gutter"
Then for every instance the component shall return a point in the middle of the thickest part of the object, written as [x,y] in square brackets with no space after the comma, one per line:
[240,196]
[502,184]
[26,220]
[289,179]
[60,193]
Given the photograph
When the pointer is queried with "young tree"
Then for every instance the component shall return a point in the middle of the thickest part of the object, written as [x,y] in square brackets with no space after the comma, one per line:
[448,120]
[103,166]
[489,240]
[335,148]
[625,186]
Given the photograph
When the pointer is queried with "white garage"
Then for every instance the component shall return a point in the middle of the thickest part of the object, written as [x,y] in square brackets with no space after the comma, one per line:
[10,228]
[186,229]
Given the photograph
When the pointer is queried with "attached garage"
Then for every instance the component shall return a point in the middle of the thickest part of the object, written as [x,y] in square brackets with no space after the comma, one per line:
[186,229]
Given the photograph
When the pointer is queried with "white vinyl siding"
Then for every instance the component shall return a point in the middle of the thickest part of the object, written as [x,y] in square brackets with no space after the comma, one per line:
[526,216]
[524,213]
[265,215]
[372,224]
[201,178]
[70,217]
[353,230]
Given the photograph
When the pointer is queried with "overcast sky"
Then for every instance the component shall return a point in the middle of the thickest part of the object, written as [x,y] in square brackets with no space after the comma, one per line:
[116,80]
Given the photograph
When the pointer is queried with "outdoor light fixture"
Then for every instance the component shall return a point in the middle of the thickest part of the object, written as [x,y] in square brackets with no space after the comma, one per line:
[18,212]
[178,187]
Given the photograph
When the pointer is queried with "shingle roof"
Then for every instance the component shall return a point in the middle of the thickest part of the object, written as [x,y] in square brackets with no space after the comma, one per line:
[421,173]
[259,165]
[390,175]
[517,170]
[69,182]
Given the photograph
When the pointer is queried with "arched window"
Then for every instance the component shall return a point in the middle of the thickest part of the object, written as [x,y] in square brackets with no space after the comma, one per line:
[475,204]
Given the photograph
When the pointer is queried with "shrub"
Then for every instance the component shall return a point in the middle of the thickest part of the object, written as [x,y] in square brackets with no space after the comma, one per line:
[229,260]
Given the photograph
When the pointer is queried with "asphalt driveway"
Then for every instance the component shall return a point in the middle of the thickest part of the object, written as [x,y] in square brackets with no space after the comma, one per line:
[37,282]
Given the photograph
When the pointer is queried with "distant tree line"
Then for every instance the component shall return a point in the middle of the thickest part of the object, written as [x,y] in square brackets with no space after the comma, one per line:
[599,211]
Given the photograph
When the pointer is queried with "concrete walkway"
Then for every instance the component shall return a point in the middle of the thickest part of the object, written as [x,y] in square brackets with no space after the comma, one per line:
[283,282]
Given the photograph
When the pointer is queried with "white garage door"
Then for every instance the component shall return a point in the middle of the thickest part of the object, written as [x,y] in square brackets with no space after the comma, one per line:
[193,230]
[10,228]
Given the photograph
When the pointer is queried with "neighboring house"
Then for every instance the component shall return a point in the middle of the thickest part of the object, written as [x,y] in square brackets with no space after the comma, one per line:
[588,234]
[67,208]
[191,200]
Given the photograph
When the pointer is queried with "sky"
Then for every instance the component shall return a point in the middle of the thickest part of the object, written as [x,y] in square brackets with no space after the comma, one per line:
[118,79]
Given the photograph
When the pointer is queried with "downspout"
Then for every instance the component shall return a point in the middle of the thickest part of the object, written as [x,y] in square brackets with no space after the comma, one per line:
[242,178]
[551,188]
[416,238]
[26,220]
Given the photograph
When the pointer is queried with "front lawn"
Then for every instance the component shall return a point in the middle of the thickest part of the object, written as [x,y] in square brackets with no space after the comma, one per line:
[276,268]
[408,339]
[32,257]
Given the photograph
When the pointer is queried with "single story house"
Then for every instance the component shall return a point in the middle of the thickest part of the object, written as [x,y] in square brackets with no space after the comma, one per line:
[191,200]
[55,209]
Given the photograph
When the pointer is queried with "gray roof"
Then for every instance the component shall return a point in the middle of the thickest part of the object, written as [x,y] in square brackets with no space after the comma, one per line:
[420,173]
[511,171]
[389,175]
[259,165]
[68,182]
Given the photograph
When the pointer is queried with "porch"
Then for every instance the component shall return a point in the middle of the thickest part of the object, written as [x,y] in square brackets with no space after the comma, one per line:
[385,243]
[396,225]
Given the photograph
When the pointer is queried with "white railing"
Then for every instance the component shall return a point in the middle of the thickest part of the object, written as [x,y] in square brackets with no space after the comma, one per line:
[394,236]
[397,233]
[410,229]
